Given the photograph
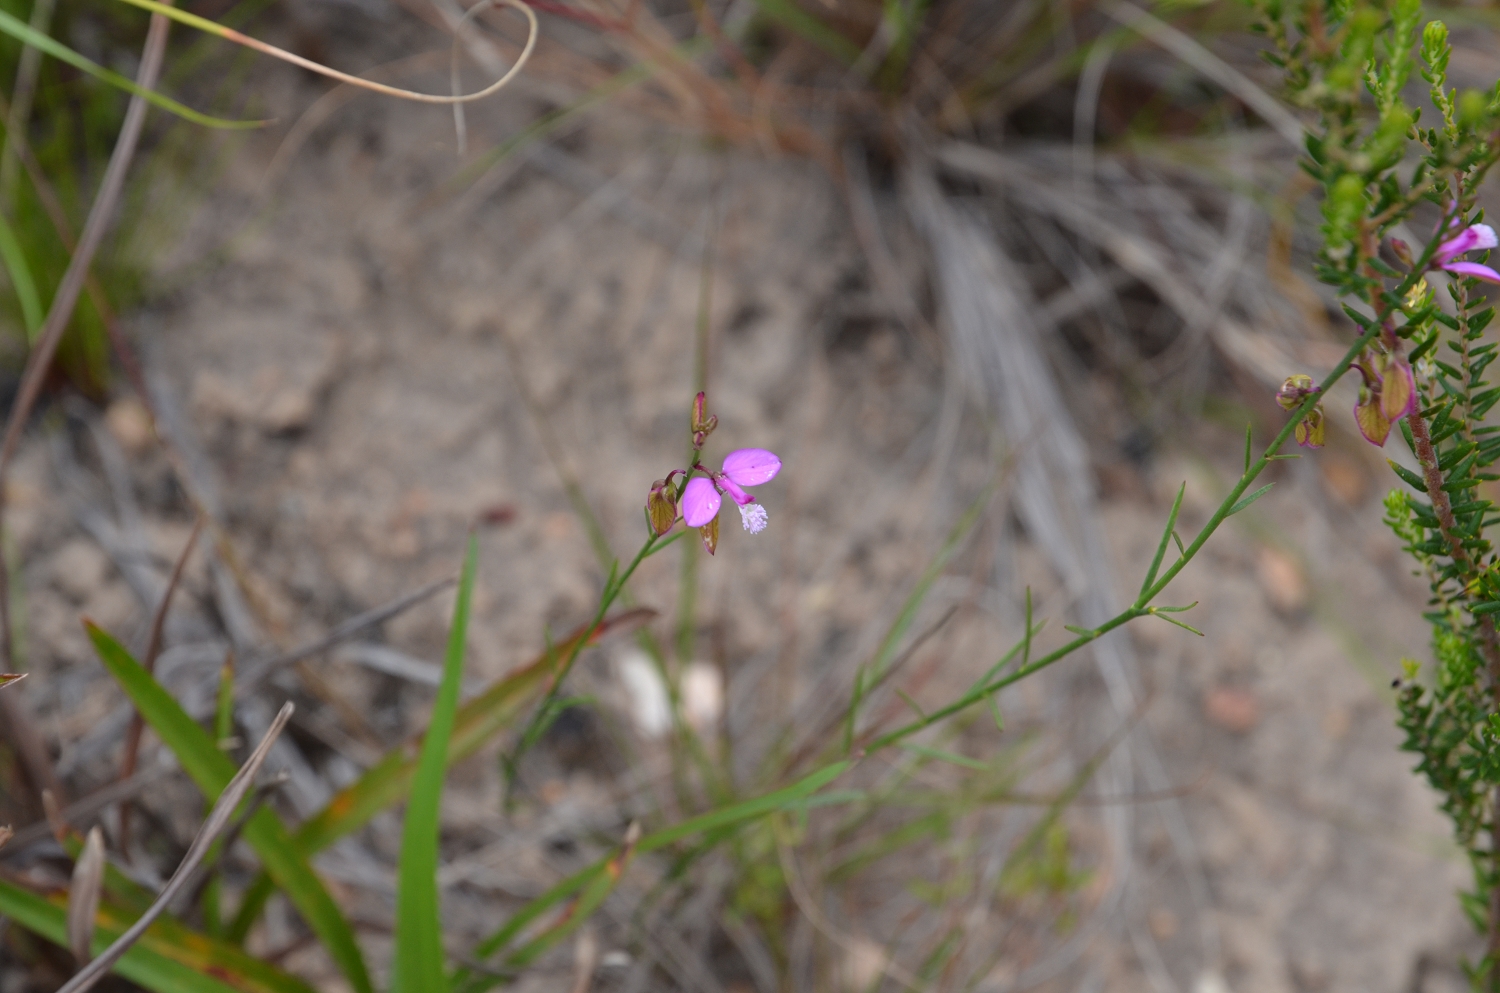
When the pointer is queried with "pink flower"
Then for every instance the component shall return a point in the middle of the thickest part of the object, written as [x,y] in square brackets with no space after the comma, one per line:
[743,467]
[1473,238]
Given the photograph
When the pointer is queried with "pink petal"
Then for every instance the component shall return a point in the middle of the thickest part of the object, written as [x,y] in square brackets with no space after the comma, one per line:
[1474,269]
[751,466]
[700,502]
[736,494]
[1471,239]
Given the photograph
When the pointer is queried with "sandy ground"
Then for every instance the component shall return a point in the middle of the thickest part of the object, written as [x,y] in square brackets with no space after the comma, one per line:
[354,358]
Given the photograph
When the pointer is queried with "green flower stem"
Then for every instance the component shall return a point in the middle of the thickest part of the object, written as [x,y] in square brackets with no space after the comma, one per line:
[1141,606]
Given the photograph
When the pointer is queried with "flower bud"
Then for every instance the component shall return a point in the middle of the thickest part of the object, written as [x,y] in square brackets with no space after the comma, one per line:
[703,422]
[1296,389]
[1402,251]
[661,507]
[1310,430]
[1434,40]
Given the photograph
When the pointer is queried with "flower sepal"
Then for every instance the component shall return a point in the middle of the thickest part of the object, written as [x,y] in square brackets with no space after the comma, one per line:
[1310,430]
[661,506]
[1373,423]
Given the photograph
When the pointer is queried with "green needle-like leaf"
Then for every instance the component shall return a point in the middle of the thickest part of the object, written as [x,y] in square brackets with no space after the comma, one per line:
[942,756]
[1247,501]
[1161,548]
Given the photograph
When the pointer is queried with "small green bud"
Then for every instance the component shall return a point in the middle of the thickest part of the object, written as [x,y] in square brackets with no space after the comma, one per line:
[1434,41]
[1296,389]
[1409,669]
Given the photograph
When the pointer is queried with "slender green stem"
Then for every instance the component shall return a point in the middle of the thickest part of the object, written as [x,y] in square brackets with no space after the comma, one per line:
[1140,607]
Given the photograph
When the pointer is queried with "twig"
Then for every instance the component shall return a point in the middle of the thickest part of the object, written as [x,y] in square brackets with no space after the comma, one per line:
[148,662]
[218,819]
[257,672]
[87,807]
[262,794]
[19,115]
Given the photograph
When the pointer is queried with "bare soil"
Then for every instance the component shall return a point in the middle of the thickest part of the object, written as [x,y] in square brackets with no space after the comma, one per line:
[368,366]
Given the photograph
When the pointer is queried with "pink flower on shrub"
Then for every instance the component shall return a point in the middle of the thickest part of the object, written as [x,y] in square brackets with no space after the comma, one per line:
[743,467]
[1471,239]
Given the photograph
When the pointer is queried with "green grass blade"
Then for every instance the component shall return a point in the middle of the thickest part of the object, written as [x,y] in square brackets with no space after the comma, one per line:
[389,780]
[417,962]
[212,770]
[21,279]
[170,958]
[23,32]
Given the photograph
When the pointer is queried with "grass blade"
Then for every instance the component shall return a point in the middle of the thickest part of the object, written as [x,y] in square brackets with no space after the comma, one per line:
[212,770]
[142,964]
[21,280]
[169,958]
[477,721]
[23,32]
[218,819]
[388,781]
[417,962]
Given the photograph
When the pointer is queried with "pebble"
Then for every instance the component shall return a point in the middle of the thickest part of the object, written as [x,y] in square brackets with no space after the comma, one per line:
[1233,708]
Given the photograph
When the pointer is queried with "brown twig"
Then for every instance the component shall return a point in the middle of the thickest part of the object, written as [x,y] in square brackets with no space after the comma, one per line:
[257,673]
[87,807]
[148,662]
